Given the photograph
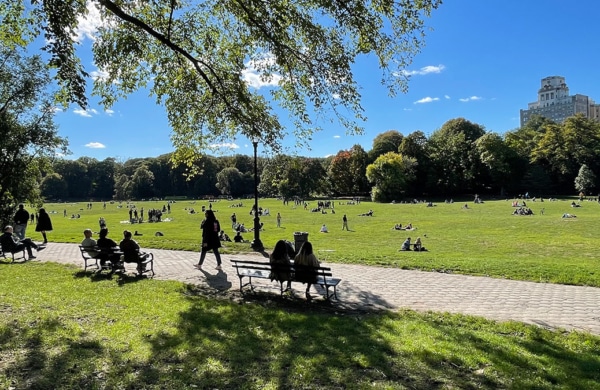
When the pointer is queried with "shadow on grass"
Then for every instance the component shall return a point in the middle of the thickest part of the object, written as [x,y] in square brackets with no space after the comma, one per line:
[121,277]
[219,282]
[265,340]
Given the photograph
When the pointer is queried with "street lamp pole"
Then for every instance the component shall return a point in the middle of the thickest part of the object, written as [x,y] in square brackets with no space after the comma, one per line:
[257,245]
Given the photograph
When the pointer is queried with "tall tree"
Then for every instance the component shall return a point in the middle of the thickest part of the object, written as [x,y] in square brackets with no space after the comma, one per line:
[585,180]
[503,163]
[75,174]
[28,135]
[340,177]
[123,188]
[142,183]
[390,174]
[194,58]
[230,182]
[385,142]
[454,158]
[103,178]
[415,145]
[347,172]
[53,186]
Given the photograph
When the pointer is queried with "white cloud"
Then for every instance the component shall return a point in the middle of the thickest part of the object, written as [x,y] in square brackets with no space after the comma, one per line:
[109,112]
[424,70]
[254,79]
[99,74]
[82,113]
[447,97]
[337,136]
[251,74]
[427,100]
[95,145]
[407,109]
[88,25]
[226,145]
[86,113]
[472,98]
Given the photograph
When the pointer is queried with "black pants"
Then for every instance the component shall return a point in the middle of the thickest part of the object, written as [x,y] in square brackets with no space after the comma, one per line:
[26,244]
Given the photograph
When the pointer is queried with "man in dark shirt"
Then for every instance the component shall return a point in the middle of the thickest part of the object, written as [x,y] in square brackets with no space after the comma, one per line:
[11,243]
[107,247]
[21,219]
[131,251]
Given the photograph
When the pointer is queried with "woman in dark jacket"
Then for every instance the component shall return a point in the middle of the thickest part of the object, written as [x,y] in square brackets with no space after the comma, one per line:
[304,264]
[280,258]
[44,224]
[210,238]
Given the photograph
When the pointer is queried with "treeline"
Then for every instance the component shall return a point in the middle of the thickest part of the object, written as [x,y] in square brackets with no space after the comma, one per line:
[541,158]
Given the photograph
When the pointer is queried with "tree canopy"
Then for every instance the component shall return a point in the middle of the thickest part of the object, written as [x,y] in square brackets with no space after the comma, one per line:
[194,57]
[28,135]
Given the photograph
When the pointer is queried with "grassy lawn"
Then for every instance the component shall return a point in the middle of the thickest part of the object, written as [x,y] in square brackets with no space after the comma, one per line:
[485,239]
[62,328]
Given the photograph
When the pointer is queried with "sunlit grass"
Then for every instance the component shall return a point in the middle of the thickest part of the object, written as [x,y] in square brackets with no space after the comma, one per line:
[62,328]
[485,239]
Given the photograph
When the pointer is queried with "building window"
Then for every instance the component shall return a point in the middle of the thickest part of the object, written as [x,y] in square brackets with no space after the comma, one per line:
[551,95]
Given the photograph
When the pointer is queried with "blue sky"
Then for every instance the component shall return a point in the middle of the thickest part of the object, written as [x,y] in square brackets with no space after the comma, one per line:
[483,61]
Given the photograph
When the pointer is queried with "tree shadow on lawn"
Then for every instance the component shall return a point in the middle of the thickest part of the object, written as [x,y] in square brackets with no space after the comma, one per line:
[318,344]
[263,339]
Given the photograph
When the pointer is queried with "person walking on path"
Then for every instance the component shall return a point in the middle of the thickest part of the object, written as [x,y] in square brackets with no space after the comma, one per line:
[21,219]
[278,220]
[210,238]
[345,222]
[44,224]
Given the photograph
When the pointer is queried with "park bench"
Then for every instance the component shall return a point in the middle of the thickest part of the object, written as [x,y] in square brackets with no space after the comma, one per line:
[262,270]
[113,266]
[14,255]
[87,258]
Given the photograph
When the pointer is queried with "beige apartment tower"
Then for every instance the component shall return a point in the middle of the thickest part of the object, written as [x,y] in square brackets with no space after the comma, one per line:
[555,103]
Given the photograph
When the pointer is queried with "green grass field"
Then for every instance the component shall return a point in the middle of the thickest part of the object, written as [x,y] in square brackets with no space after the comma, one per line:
[62,328]
[485,239]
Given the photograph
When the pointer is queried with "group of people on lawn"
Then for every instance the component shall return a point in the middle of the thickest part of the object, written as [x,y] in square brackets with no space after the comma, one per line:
[212,235]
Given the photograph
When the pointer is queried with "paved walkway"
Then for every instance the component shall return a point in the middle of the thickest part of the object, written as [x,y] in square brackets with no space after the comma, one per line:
[550,306]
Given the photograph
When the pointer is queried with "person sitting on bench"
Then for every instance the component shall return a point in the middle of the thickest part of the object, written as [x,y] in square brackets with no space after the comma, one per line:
[89,244]
[106,246]
[11,243]
[131,251]
[305,260]
[280,257]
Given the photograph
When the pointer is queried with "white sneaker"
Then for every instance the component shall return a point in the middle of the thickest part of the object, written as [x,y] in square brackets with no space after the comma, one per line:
[218,267]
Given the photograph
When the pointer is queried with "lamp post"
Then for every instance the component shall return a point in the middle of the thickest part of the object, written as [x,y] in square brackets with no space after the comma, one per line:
[256,244]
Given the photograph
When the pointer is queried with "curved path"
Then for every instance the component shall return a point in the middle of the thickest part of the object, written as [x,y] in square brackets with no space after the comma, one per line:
[551,306]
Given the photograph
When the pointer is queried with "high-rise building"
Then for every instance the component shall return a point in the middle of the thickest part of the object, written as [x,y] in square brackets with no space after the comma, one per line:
[555,103]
